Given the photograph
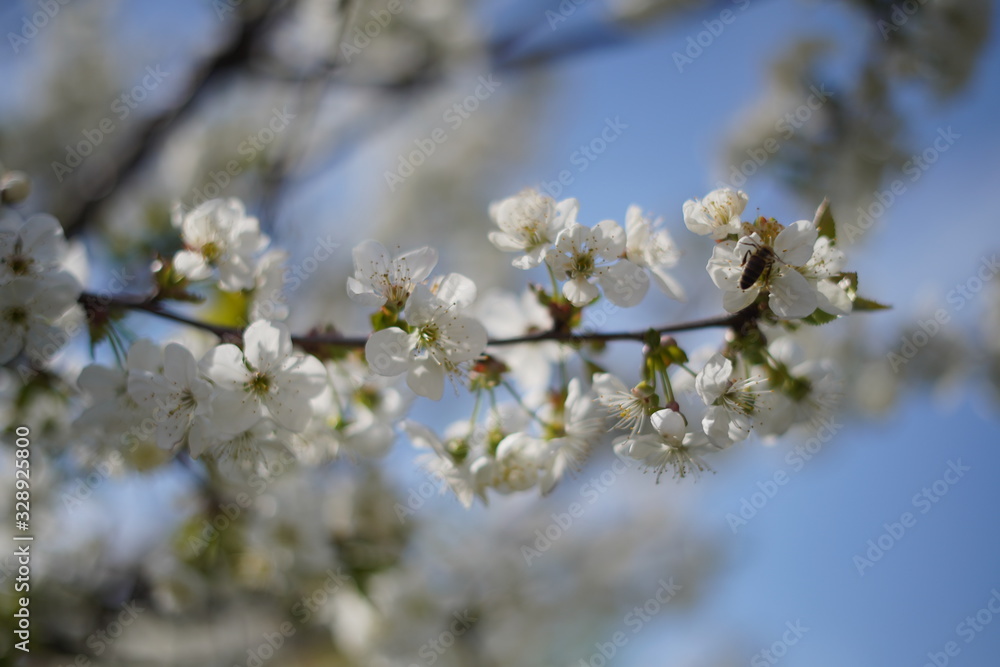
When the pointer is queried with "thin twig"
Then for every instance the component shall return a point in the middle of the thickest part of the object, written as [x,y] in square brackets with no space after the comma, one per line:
[335,340]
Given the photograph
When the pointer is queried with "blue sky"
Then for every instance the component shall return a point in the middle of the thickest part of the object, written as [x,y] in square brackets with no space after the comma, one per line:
[794,560]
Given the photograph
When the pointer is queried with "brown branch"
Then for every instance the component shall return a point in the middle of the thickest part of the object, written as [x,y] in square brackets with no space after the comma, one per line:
[153,307]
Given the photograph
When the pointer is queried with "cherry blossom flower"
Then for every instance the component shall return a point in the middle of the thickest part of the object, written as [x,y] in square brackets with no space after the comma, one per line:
[265,380]
[652,249]
[174,396]
[506,315]
[34,248]
[717,214]
[379,279]
[669,445]
[572,431]
[529,223]
[463,468]
[632,407]
[790,294]
[583,254]
[219,234]
[731,399]
[29,315]
[440,338]
[826,263]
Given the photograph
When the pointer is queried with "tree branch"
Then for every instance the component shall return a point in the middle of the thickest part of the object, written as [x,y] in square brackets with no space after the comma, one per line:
[156,129]
[94,303]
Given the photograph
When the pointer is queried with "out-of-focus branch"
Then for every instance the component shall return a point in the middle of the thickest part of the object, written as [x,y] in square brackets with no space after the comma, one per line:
[151,135]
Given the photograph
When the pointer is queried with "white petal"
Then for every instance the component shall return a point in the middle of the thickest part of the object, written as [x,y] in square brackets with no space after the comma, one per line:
[426,378]
[389,351]
[267,344]
[713,379]
[832,298]
[457,290]
[579,291]
[624,283]
[225,366]
[669,424]
[504,242]
[420,262]
[370,259]
[792,295]
[362,293]
[794,245]
[179,366]
[607,239]
[734,302]
[191,265]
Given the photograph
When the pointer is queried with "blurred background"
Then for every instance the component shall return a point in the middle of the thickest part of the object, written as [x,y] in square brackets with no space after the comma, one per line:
[327,119]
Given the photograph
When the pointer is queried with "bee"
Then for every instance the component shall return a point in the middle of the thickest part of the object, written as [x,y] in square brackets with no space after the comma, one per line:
[756,262]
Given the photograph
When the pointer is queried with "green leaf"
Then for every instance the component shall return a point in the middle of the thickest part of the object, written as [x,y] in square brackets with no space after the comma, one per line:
[824,221]
[862,304]
[819,317]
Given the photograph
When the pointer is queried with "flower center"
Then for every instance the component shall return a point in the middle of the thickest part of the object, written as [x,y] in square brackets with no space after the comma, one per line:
[259,384]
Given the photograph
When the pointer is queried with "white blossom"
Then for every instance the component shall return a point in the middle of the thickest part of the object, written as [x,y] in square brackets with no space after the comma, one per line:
[30,312]
[717,214]
[790,294]
[379,278]
[439,340]
[267,302]
[264,380]
[826,263]
[630,406]
[572,433]
[506,315]
[219,234]
[652,249]
[732,401]
[454,468]
[32,249]
[174,396]
[667,444]
[583,254]
[529,223]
